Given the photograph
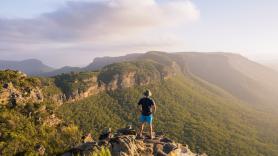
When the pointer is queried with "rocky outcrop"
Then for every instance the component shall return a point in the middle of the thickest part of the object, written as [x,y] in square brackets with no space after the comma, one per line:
[16,89]
[125,143]
[120,81]
[93,86]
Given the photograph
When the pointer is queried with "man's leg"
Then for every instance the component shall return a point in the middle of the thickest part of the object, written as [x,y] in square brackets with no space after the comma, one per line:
[151,130]
[141,129]
[142,120]
[150,121]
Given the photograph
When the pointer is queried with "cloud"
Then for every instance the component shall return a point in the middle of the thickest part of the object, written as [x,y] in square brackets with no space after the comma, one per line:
[100,25]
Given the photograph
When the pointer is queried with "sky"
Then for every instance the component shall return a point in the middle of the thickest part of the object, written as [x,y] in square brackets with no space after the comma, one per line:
[74,32]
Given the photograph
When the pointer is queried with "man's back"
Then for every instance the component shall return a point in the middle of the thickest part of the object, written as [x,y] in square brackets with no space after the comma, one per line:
[146,104]
[148,107]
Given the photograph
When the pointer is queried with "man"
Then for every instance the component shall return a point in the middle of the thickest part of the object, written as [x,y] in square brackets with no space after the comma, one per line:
[147,107]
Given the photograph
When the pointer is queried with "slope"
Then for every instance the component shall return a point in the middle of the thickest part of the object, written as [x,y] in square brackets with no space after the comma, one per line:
[194,112]
[245,79]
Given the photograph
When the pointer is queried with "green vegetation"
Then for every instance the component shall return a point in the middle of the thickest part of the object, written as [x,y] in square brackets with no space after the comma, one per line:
[23,127]
[102,152]
[194,107]
[188,113]
[49,87]
[21,132]
[17,79]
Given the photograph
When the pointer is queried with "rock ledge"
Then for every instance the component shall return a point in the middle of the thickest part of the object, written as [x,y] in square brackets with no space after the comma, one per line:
[125,143]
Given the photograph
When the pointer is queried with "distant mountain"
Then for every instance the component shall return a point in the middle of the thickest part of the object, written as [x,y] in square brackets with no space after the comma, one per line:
[245,79]
[270,63]
[274,66]
[30,66]
[100,62]
[63,70]
[97,64]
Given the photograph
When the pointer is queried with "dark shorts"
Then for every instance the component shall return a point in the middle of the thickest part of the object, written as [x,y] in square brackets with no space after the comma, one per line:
[148,119]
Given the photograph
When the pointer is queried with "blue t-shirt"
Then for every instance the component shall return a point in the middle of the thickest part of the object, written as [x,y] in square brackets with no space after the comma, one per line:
[146,104]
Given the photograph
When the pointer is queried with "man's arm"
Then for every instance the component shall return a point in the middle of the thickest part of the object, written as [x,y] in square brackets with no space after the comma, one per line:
[154,108]
[139,108]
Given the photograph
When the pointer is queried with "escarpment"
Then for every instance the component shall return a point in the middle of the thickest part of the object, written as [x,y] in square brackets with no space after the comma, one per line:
[77,86]
[16,87]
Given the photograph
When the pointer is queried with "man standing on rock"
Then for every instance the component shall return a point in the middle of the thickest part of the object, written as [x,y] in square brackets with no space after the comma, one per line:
[147,107]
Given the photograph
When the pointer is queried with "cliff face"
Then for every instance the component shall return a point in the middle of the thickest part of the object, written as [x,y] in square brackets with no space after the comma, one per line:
[18,89]
[11,95]
[77,86]
[84,87]
[125,143]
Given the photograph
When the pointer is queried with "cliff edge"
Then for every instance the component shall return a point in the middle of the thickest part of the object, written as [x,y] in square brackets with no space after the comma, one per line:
[125,143]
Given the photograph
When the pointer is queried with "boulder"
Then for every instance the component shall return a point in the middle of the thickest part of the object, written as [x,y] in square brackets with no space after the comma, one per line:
[166,140]
[128,130]
[106,134]
[85,149]
[158,150]
[168,147]
[124,145]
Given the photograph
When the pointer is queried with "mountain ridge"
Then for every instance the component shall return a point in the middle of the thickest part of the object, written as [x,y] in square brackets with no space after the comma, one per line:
[29,66]
[100,62]
[192,108]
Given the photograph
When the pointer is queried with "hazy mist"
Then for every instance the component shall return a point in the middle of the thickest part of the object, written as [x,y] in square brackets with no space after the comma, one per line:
[74,32]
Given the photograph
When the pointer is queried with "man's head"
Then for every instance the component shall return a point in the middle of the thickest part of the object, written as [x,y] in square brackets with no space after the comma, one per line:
[147,93]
